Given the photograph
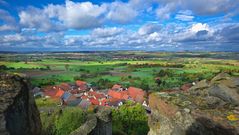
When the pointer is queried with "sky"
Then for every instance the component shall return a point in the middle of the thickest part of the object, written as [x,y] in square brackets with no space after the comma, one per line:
[105,25]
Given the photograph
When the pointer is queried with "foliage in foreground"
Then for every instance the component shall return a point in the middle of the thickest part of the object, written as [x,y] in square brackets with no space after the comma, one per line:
[62,122]
[41,102]
[130,119]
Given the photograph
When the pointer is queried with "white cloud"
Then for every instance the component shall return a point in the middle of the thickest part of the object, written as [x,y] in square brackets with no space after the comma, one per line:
[196,36]
[36,18]
[54,19]
[76,15]
[198,7]
[9,23]
[149,28]
[165,11]
[184,15]
[199,27]
[206,7]
[80,15]
[121,12]
[106,32]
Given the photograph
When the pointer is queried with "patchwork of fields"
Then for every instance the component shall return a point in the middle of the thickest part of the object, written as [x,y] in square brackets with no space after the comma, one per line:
[138,71]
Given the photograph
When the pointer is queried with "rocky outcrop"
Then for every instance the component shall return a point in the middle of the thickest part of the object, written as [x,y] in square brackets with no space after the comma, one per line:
[99,123]
[208,108]
[18,112]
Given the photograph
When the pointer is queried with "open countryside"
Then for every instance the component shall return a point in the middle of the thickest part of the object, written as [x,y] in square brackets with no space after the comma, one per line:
[121,81]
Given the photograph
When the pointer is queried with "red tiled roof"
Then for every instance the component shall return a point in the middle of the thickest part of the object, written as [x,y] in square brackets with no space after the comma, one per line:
[114,94]
[65,86]
[81,84]
[78,83]
[92,93]
[53,91]
[133,92]
[99,96]
[59,93]
[118,94]
[84,97]
[49,91]
[116,86]
[96,94]
[114,101]
[94,101]
[125,96]
[104,102]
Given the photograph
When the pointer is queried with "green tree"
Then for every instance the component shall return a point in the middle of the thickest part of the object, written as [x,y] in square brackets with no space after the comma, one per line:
[130,119]
[69,120]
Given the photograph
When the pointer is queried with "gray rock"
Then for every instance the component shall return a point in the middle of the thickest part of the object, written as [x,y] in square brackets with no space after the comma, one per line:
[201,85]
[87,127]
[221,76]
[225,93]
[18,112]
[214,102]
[187,110]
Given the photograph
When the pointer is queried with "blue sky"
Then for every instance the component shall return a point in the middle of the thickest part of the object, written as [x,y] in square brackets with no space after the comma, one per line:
[78,25]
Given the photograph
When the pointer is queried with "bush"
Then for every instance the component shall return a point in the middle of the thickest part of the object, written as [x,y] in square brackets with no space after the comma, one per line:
[62,122]
[104,83]
[69,120]
[130,119]
[41,102]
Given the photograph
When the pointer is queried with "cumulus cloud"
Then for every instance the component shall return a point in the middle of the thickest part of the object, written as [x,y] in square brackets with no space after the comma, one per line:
[121,12]
[107,28]
[197,32]
[165,11]
[77,15]
[199,27]
[199,7]
[195,36]
[60,17]
[35,18]
[229,33]
[205,7]
[149,28]
[9,23]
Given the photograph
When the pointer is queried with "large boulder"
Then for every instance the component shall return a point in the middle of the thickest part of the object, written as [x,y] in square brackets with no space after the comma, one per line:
[167,118]
[221,76]
[225,93]
[199,88]
[208,108]
[18,112]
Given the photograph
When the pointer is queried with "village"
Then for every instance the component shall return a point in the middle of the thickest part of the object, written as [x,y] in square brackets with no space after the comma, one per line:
[81,94]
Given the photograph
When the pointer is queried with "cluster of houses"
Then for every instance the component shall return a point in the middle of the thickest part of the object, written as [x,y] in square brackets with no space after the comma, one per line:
[83,95]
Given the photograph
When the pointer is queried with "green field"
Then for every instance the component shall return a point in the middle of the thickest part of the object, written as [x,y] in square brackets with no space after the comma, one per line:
[99,69]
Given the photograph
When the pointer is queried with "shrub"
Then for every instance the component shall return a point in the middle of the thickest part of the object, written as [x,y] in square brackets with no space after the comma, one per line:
[130,119]
[62,122]
[69,120]
[41,102]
